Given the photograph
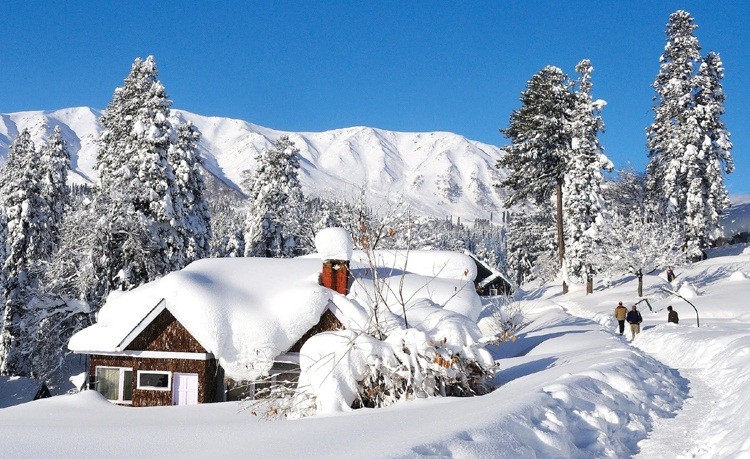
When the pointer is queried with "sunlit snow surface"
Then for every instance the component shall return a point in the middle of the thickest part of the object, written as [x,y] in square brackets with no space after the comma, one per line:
[569,387]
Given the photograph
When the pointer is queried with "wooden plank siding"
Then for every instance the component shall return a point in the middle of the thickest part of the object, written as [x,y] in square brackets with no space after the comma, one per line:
[327,322]
[206,369]
[165,333]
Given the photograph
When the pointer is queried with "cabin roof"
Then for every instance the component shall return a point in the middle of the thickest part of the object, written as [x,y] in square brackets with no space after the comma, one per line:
[248,311]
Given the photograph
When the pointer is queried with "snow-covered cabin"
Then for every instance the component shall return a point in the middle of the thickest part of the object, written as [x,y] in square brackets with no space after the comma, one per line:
[489,281]
[211,331]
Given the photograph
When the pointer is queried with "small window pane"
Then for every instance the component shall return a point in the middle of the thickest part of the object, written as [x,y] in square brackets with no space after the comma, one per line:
[127,389]
[158,380]
[108,382]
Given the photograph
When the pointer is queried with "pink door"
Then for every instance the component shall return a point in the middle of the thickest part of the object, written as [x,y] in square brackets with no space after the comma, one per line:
[185,389]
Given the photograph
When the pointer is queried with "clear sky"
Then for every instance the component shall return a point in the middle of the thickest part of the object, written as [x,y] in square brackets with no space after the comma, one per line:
[406,66]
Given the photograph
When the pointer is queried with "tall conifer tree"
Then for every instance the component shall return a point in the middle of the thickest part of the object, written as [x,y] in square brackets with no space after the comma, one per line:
[27,241]
[272,224]
[582,195]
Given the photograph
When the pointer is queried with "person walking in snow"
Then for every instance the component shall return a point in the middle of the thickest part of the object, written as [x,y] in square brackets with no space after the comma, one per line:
[620,313]
[670,274]
[634,319]
[672,316]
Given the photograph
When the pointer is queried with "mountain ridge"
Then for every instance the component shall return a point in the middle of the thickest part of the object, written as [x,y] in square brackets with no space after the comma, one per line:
[438,173]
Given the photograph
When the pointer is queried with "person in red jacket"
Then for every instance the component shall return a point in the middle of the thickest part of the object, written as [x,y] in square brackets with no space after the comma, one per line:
[634,319]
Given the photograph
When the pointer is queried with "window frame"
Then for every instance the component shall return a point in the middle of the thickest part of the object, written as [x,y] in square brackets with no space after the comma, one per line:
[120,383]
[160,372]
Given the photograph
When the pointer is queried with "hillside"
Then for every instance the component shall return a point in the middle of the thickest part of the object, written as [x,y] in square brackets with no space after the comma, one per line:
[438,173]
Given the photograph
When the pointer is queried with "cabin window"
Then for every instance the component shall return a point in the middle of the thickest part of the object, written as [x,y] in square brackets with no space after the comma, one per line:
[115,383]
[155,380]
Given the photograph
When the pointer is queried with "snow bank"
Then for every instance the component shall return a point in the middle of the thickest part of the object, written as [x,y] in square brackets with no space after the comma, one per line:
[721,352]
[338,366]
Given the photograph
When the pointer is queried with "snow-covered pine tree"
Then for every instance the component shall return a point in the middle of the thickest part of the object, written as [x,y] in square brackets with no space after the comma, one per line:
[55,163]
[688,143]
[136,235]
[706,158]
[275,206]
[582,195]
[530,245]
[190,205]
[666,136]
[541,139]
[27,241]
[227,226]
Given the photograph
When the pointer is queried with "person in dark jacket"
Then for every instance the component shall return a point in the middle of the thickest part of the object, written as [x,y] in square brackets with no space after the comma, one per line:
[620,313]
[672,316]
[634,319]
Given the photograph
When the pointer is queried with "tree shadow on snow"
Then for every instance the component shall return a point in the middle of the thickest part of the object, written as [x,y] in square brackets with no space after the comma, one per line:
[524,369]
[524,344]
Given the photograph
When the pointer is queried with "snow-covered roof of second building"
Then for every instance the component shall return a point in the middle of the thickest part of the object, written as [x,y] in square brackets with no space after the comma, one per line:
[248,311]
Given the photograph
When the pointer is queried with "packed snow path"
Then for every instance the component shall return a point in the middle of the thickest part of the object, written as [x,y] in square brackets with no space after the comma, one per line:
[683,435]
[680,435]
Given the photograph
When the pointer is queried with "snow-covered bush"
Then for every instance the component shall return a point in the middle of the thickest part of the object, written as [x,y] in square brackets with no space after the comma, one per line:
[344,369]
[502,318]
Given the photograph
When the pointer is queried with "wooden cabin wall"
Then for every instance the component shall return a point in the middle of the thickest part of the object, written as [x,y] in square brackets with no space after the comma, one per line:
[327,322]
[165,333]
[206,369]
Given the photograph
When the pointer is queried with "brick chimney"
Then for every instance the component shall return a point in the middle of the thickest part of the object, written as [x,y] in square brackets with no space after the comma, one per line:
[335,275]
[334,245]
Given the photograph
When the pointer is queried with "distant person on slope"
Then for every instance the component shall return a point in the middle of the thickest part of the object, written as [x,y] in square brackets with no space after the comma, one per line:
[620,313]
[634,319]
[670,274]
[672,316]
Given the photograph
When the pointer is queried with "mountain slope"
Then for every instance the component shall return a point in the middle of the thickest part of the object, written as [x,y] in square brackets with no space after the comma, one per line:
[438,173]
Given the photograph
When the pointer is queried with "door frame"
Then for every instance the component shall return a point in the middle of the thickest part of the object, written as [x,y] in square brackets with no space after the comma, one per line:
[176,386]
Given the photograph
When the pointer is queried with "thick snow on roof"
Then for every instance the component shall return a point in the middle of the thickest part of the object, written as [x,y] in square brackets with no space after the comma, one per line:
[445,278]
[432,263]
[246,311]
[334,244]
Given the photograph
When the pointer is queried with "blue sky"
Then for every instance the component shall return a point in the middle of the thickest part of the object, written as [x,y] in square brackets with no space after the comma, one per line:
[407,66]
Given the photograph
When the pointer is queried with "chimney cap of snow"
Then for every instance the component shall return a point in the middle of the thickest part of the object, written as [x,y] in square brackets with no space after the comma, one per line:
[334,244]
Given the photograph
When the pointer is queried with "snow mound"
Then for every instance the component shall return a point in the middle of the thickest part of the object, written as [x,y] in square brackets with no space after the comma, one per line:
[738,276]
[688,290]
[334,244]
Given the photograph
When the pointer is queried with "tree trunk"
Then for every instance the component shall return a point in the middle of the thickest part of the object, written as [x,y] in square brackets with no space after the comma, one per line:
[589,285]
[560,238]
[640,283]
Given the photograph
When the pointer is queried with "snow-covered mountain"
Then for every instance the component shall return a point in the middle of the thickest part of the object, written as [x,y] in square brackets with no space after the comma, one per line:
[438,173]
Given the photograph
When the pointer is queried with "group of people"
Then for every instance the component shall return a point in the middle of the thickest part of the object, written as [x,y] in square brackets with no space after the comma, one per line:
[634,318]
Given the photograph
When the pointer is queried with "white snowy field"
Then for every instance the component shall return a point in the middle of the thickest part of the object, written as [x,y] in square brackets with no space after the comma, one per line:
[569,387]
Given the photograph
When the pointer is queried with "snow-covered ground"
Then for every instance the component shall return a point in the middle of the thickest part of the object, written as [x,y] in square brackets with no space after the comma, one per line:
[569,387]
